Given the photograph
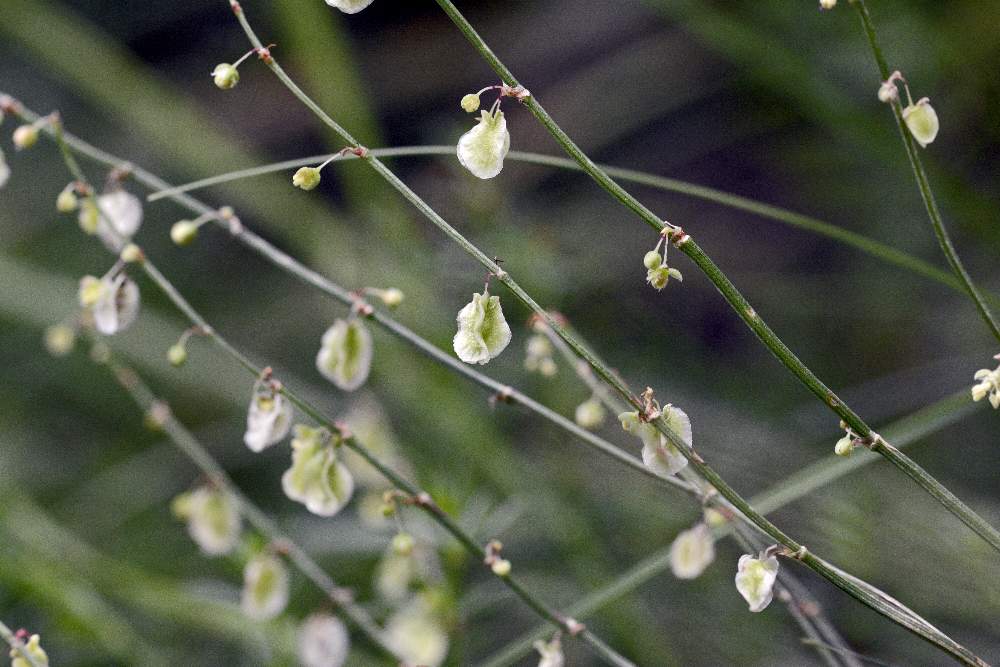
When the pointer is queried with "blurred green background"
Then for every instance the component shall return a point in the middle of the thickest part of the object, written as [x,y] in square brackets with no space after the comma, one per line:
[770,99]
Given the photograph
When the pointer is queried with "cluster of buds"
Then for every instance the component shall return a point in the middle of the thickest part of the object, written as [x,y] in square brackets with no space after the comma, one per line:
[988,385]
[658,274]
[500,566]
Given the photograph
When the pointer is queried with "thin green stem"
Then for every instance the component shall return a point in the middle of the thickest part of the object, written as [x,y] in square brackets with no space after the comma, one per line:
[877,249]
[342,598]
[735,299]
[923,182]
[17,645]
[419,497]
[332,289]
[696,461]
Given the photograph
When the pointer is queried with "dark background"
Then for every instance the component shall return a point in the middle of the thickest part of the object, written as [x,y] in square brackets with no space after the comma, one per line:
[771,99]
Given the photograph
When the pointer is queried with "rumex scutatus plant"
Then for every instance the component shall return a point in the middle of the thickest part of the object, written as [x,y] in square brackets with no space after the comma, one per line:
[330,457]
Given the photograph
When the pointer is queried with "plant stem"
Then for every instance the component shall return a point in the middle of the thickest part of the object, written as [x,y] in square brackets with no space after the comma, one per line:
[696,461]
[17,645]
[877,249]
[342,598]
[735,299]
[923,182]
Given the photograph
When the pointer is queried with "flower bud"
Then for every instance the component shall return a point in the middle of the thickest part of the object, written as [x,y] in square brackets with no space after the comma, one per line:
[827,4]
[483,333]
[402,544]
[306,178]
[501,567]
[888,92]
[59,340]
[590,414]
[177,354]
[131,253]
[265,587]
[25,136]
[349,6]
[844,446]
[226,76]
[89,217]
[470,103]
[755,580]
[183,232]
[67,202]
[652,260]
[482,149]
[345,354]
[323,642]
[392,297]
[32,648]
[922,121]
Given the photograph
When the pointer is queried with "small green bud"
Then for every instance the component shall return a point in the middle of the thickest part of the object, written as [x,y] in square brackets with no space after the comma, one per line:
[131,253]
[177,355]
[89,217]
[922,121]
[59,340]
[388,510]
[392,297]
[470,103]
[226,76]
[652,260]
[67,202]
[501,567]
[25,136]
[306,178]
[402,544]
[184,232]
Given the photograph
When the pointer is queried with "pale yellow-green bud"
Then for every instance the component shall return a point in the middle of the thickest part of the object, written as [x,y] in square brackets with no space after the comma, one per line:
[25,136]
[89,217]
[183,232]
[888,92]
[306,178]
[59,340]
[501,567]
[392,297]
[652,260]
[66,202]
[470,103]
[922,121]
[131,253]
[844,446]
[177,354]
[91,290]
[827,4]
[402,544]
[226,76]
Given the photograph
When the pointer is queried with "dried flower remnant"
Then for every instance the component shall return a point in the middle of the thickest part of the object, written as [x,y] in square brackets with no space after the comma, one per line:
[755,579]
[213,519]
[692,551]
[483,333]
[317,478]
[269,417]
[345,354]
[265,587]
[323,642]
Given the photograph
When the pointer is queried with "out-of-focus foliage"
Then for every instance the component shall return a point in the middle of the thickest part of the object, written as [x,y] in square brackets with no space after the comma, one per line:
[767,98]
